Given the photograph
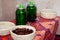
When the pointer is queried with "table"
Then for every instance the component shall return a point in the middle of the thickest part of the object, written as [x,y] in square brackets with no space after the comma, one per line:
[46,28]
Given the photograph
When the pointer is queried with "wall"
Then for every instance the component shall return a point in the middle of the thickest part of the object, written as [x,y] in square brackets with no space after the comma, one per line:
[1,10]
[55,4]
[9,7]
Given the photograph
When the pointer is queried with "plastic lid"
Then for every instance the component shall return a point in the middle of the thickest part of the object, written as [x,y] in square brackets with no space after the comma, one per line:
[31,3]
[20,6]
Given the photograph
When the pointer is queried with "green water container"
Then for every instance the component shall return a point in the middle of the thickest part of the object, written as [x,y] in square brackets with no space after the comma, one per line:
[31,12]
[21,15]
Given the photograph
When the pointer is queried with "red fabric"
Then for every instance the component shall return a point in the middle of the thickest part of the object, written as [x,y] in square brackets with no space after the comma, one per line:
[43,32]
[7,37]
[48,25]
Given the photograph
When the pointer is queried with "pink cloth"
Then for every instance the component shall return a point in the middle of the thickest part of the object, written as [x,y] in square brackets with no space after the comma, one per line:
[46,28]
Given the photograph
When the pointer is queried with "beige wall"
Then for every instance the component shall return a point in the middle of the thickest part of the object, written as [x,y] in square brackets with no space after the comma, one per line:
[9,7]
[1,10]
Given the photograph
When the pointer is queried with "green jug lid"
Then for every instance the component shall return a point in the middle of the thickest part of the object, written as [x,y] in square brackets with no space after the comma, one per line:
[31,3]
[20,6]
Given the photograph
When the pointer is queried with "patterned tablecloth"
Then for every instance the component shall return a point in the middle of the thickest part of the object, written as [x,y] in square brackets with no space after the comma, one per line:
[46,29]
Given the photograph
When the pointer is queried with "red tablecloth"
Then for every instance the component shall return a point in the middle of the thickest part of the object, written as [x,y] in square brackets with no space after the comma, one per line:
[46,28]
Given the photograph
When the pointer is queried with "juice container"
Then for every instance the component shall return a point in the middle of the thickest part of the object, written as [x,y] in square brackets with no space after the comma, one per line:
[20,15]
[31,12]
